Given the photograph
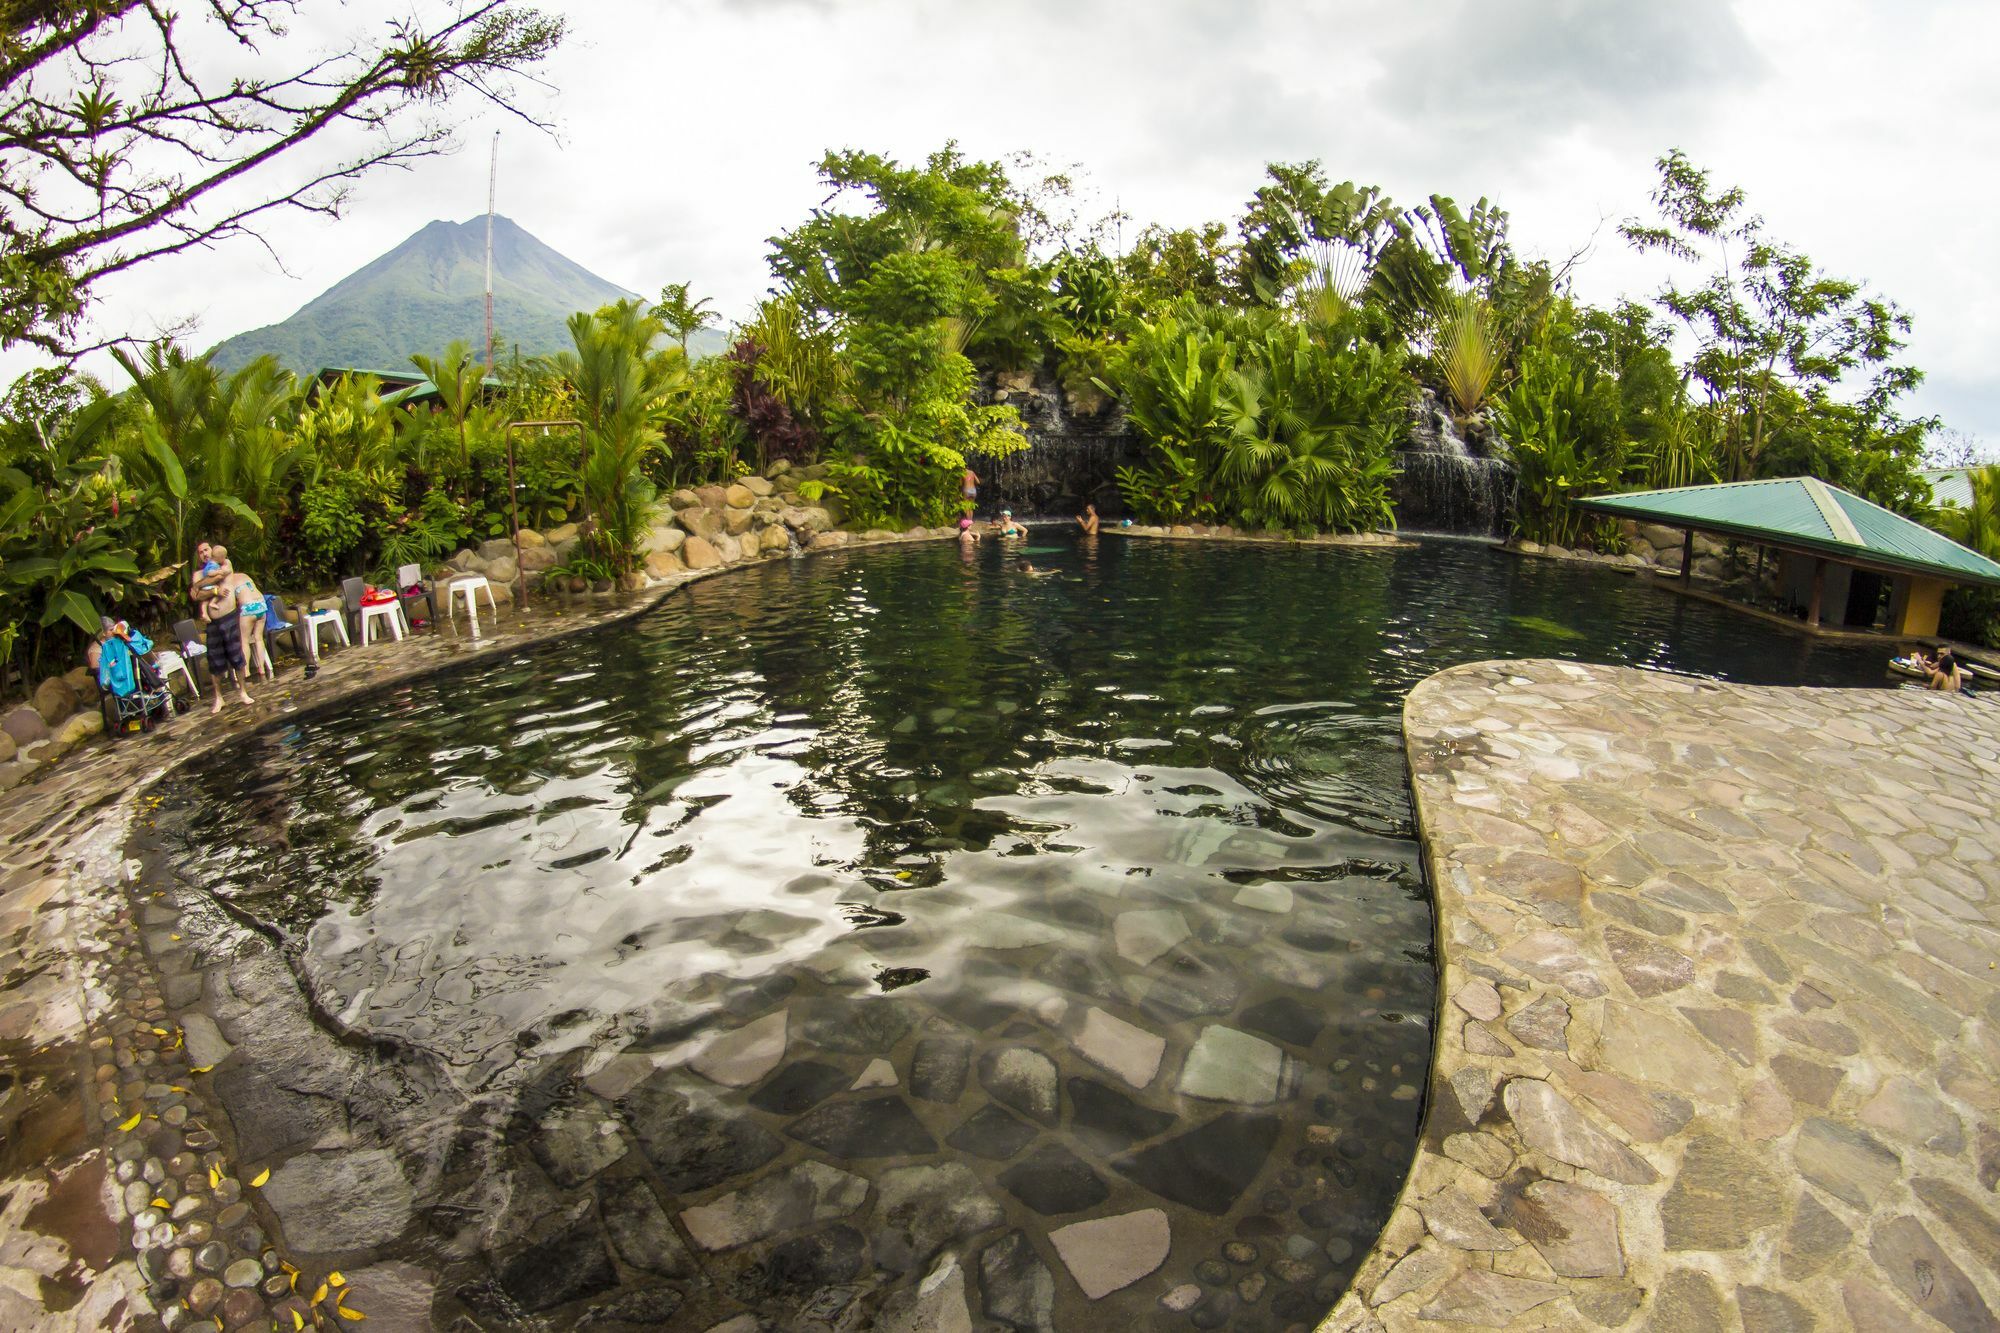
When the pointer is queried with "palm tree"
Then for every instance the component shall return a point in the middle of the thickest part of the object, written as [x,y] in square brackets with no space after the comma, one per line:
[457,378]
[682,317]
[624,391]
[1976,524]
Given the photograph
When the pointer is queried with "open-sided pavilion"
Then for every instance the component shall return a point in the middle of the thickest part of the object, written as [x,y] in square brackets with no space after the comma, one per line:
[1836,550]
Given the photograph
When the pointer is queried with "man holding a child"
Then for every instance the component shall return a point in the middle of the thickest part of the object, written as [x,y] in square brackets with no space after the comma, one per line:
[214,591]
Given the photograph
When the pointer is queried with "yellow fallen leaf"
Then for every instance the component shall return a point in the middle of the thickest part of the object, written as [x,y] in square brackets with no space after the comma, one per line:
[263,1176]
[161,1203]
[298,1320]
[319,1295]
[214,1177]
[175,1087]
[161,1032]
[355,1315]
[334,1279]
[201,1069]
[133,1123]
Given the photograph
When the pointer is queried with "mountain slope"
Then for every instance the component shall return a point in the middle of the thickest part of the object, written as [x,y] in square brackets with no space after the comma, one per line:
[426,292]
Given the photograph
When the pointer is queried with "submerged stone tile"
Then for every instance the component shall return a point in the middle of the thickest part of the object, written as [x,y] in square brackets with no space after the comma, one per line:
[868,1127]
[992,1133]
[1124,1049]
[921,1209]
[742,1057]
[1107,1121]
[1142,937]
[799,1196]
[1107,1254]
[1231,1066]
[1206,1168]
[1022,1078]
[1052,1180]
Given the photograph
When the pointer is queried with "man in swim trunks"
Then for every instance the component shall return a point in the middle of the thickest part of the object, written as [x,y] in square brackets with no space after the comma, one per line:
[215,599]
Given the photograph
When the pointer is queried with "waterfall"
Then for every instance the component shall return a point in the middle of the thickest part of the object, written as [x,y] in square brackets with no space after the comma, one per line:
[1448,485]
[1073,454]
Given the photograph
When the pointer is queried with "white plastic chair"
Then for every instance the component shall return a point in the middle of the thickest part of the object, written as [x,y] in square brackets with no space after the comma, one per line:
[390,611]
[169,661]
[314,619]
[468,587]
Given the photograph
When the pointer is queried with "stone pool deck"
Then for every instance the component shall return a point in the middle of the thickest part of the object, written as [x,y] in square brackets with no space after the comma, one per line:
[1719,1032]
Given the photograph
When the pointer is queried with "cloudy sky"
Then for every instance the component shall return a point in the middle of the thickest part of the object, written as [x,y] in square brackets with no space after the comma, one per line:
[687,130]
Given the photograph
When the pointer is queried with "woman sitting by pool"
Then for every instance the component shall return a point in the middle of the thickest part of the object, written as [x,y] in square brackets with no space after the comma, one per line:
[1945,675]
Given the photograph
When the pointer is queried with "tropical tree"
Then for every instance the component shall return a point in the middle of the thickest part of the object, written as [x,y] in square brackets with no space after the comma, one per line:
[130,131]
[624,388]
[63,561]
[1770,327]
[681,316]
[460,381]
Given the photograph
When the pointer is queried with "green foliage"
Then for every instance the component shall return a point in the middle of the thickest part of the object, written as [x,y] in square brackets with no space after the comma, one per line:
[1772,330]
[1165,266]
[423,537]
[1467,352]
[680,315]
[1257,421]
[1561,419]
[933,274]
[625,391]
[1974,613]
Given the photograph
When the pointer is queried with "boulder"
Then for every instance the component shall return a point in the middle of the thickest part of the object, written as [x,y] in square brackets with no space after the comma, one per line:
[82,682]
[7,748]
[727,548]
[54,700]
[757,486]
[778,469]
[663,538]
[530,539]
[768,507]
[736,522]
[471,564]
[739,496]
[631,581]
[79,729]
[913,533]
[698,554]
[817,472]
[700,522]
[536,559]
[877,535]
[24,726]
[503,571]
[565,532]
[684,499]
[563,548]
[459,559]
[503,593]
[835,537]
[496,548]
[775,541]
[710,496]
[662,564]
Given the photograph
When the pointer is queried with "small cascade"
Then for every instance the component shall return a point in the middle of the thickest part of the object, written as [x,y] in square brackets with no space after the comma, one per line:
[1072,458]
[1448,484]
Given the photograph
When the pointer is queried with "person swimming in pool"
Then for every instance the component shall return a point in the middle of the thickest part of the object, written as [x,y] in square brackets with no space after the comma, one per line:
[1087,520]
[1005,526]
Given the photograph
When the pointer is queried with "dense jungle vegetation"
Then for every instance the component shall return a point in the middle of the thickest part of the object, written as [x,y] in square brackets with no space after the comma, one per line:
[1267,367]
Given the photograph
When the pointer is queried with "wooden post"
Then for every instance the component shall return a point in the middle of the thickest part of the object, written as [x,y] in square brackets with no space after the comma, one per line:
[1687,556]
[1819,587]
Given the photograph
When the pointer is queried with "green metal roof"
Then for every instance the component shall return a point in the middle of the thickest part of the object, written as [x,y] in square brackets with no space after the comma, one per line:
[1806,514]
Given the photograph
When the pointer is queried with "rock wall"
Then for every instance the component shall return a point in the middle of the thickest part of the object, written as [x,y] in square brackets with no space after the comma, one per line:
[1076,445]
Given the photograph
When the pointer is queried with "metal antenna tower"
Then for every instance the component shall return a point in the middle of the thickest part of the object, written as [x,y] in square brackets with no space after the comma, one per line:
[492,192]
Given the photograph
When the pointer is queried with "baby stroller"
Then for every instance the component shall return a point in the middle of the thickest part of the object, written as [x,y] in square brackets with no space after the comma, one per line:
[131,691]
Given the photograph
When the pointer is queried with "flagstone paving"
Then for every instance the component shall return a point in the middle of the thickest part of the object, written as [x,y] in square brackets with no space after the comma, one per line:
[1719,1043]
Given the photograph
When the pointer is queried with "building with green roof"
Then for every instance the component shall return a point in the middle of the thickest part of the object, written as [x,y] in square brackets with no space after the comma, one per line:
[1837,552]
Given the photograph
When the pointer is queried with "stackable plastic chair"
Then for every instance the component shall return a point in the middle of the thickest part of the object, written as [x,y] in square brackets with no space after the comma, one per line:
[278,623]
[412,576]
[193,639]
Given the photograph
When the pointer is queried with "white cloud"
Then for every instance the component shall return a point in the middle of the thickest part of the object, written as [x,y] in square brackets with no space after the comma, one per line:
[689,131]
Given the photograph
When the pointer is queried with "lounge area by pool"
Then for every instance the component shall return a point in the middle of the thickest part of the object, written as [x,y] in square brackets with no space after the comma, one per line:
[870,939]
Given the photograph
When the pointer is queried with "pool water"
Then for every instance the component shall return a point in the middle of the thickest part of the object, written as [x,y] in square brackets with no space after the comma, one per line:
[886,914]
